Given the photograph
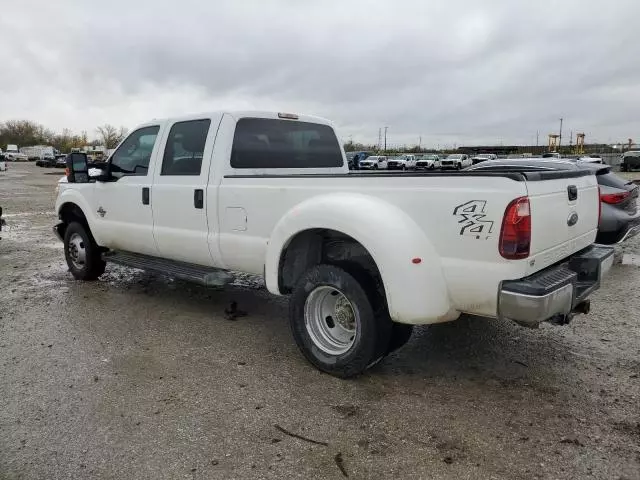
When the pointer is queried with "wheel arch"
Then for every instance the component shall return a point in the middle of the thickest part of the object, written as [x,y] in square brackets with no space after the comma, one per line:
[73,207]
[299,241]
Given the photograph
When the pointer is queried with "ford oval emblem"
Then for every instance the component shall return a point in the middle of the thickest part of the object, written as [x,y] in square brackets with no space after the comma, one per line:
[573,219]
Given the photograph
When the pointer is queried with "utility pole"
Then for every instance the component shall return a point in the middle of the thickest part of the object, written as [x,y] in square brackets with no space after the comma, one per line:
[379,138]
[537,138]
[420,143]
[385,138]
[560,138]
[571,138]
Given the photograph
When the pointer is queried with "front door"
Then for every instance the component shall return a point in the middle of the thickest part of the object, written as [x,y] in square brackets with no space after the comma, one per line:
[123,204]
[180,190]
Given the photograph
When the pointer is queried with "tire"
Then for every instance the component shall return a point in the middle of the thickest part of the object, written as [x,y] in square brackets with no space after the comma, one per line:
[458,166]
[329,348]
[400,335]
[82,253]
[375,167]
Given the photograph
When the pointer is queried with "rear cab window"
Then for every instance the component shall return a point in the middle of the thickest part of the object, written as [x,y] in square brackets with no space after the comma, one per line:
[265,143]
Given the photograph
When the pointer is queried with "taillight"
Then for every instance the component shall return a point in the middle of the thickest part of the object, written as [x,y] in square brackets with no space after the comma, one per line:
[67,172]
[613,198]
[515,235]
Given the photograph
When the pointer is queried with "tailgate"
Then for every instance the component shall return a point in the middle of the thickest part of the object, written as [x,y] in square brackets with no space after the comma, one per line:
[564,215]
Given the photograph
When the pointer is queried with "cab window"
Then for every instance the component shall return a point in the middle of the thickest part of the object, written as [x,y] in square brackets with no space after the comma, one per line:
[134,155]
[185,148]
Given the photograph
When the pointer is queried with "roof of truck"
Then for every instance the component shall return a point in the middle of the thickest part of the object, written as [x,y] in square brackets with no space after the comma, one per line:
[237,114]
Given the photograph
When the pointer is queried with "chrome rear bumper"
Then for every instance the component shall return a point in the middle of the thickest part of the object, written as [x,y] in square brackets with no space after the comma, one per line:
[555,293]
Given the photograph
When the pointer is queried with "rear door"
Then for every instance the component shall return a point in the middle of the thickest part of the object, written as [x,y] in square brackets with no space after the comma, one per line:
[565,207]
[179,193]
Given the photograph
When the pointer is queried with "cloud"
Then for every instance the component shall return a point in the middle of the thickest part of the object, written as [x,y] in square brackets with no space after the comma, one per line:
[450,72]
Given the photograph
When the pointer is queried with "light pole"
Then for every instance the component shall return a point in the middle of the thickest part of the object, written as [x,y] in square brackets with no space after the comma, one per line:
[560,137]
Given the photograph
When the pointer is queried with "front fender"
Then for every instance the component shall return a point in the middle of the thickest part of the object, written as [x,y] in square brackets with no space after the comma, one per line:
[416,292]
[71,195]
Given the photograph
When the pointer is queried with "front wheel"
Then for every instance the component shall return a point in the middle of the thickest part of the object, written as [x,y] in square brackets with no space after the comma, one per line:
[458,166]
[82,253]
[334,322]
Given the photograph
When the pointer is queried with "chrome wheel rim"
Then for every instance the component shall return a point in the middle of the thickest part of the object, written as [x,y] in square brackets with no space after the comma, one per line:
[331,320]
[77,252]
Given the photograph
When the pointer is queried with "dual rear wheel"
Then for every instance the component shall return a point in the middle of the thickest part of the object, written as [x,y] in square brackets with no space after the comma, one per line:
[340,325]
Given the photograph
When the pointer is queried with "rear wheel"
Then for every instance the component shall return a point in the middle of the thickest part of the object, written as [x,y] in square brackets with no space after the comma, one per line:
[82,253]
[334,322]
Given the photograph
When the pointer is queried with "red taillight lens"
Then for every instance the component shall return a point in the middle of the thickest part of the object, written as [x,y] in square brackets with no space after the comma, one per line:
[613,198]
[515,235]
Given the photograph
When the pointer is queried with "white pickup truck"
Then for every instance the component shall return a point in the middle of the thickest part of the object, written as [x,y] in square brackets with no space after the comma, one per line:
[363,256]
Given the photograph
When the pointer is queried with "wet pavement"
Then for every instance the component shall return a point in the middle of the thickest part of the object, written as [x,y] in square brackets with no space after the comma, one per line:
[136,376]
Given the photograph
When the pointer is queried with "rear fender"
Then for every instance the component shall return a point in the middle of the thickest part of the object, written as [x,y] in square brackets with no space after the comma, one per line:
[416,292]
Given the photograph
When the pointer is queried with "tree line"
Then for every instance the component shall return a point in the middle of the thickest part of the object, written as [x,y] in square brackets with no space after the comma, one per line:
[25,133]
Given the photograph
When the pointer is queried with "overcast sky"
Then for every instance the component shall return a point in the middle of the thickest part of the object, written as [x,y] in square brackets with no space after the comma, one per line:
[463,72]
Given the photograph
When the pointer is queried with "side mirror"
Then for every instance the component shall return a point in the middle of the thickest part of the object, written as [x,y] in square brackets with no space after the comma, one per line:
[77,168]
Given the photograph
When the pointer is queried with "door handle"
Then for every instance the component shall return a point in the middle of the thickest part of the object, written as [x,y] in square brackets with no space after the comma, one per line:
[145,195]
[198,198]
[572,192]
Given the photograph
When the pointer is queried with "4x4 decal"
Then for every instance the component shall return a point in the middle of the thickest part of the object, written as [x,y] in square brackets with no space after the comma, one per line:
[471,218]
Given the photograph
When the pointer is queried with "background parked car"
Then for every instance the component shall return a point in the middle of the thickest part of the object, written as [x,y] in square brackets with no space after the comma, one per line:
[410,161]
[591,159]
[457,161]
[396,163]
[12,154]
[374,162]
[428,162]
[630,161]
[353,159]
[619,217]
[483,157]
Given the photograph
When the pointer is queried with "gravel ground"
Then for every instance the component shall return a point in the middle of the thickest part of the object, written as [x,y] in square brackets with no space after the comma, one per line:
[136,376]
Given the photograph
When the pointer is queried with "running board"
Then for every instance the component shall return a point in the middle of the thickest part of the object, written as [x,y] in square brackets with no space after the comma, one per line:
[207,276]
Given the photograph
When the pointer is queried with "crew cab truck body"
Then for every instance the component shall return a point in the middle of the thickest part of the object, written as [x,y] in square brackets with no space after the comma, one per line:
[363,256]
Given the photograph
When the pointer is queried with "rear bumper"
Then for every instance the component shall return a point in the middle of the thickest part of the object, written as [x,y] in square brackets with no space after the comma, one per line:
[554,293]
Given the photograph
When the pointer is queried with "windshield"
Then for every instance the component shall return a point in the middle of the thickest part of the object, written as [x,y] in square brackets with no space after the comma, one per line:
[455,156]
